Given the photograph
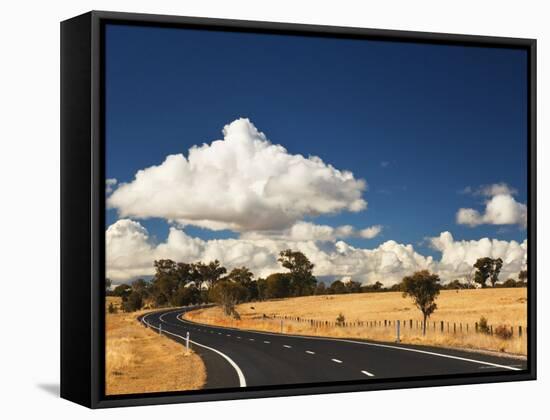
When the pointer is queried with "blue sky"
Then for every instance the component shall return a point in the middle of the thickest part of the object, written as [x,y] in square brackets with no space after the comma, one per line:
[418,122]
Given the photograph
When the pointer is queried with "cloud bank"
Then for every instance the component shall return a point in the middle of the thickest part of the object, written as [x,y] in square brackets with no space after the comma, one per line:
[131,251]
[458,257]
[242,183]
[306,231]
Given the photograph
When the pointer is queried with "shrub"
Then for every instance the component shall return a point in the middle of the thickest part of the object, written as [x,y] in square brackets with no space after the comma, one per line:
[340,319]
[483,326]
[133,303]
[112,308]
[503,332]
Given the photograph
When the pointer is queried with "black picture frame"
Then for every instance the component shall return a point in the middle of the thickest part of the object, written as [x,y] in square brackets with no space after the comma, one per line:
[83,207]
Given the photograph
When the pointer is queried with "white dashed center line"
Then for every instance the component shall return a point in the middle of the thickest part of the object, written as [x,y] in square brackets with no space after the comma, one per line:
[310,352]
[267,342]
[239,338]
[364,372]
[229,335]
[287,346]
[251,339]
[336,361]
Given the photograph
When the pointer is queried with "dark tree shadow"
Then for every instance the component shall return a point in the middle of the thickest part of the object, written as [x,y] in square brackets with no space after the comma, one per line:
[52,389]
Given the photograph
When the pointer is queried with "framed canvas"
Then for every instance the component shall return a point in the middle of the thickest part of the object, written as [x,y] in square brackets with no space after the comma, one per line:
[255,209]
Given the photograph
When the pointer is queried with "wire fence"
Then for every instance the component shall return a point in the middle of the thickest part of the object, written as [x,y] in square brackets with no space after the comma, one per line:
[447,327]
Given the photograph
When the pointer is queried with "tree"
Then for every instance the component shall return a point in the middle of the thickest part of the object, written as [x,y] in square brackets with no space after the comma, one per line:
[186,295]
[241,275]
[228,294]
[108,284]
[497,266]
[376,287]
[337,288]
[510,283]
[301,272]
[186,274]
[165,281]
[321,289]
[244,277]
[261,285]
[210,273]
[140,286]
[487,268]
[122,290]
[277,286]
[423,288]
[353,287]
[455,285]
[397,287]
[134,302]
[470,279]
[523,275]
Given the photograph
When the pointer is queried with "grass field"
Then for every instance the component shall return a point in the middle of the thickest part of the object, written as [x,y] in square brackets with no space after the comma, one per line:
[500,306]
[134,354]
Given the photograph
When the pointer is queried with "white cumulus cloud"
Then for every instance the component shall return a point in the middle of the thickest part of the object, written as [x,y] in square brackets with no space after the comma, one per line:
[110,184]
[131,252]
[307,231]
[458,257]
[370,232]
[242,183]
[501,209]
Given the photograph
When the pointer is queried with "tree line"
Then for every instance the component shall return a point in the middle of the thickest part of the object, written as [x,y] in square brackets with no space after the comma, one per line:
[181,284]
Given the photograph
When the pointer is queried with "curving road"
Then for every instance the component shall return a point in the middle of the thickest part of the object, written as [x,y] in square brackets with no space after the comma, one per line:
[237,358]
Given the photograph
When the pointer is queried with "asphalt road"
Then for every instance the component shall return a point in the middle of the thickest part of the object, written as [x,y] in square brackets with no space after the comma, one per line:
[236,358]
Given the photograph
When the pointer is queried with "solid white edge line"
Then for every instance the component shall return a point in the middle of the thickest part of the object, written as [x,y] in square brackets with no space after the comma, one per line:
[242,380]
[430,353]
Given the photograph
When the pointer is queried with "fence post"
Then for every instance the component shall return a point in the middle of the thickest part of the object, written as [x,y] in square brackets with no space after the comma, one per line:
[160,329]
[442,326]
[411,324]
[187,341]
[281,326]
[477,328]
[491,330]
[397,331]
[520,331]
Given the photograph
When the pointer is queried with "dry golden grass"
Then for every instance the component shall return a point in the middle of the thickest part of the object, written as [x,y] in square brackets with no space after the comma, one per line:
[139,361]
[115,300]
[500,307]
